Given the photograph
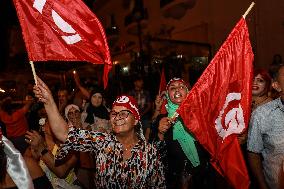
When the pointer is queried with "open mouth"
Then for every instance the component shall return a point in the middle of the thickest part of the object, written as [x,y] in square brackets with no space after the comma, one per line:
[255,87]
[177,95]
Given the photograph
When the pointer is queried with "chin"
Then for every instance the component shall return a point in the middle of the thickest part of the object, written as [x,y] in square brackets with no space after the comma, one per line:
[117,130]
[177,101]
[257,93]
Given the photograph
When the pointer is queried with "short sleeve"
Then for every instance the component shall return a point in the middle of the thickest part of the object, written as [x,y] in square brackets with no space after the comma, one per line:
[255,141]
[81,140]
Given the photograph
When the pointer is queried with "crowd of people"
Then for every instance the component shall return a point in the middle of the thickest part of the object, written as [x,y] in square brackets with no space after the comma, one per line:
[79,142]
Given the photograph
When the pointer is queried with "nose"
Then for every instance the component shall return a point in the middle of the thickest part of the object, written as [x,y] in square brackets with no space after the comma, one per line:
[254,81]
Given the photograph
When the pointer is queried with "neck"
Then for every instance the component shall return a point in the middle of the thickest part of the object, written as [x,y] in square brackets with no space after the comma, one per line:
[259,98]
[127,138]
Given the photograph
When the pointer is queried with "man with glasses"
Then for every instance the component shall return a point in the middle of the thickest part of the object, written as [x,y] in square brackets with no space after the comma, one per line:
[123,158]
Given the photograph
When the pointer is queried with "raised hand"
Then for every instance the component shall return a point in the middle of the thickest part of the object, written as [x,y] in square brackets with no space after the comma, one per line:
[57,124]
[42,92]
[158,102]
[76,78]
[164,125]
[36,141]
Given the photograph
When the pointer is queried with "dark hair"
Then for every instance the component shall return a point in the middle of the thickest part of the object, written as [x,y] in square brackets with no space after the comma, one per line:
[7,105]
[274,71]
[275,57]
[137,77]
[92,111]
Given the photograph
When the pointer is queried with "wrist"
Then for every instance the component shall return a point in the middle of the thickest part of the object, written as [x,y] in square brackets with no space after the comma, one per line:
[160,135]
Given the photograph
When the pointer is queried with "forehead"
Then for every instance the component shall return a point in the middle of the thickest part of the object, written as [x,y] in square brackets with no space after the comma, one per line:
[176,83]
[62,92]
[72,109]
[259,76]
[97,95]
[119,108]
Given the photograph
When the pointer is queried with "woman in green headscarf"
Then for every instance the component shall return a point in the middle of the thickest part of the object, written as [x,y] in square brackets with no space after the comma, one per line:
[184,157]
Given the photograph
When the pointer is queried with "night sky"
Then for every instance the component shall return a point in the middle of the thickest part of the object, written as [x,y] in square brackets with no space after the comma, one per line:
[8,19]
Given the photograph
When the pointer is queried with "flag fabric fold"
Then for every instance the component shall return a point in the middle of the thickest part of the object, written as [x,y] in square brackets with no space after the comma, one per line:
[218,107]
[63,30]
[163,83]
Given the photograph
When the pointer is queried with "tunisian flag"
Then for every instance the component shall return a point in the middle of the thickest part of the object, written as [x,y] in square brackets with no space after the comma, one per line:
[64,30]
[163,83]
[218,108]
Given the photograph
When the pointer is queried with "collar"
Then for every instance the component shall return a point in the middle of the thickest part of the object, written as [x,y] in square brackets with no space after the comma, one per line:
[280,104]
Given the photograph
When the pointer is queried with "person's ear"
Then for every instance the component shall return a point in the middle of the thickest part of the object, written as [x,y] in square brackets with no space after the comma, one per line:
[136,122]
[276,86]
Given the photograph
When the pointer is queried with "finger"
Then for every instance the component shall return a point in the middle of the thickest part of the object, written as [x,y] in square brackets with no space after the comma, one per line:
[28,141]
[33,133]
[29,133]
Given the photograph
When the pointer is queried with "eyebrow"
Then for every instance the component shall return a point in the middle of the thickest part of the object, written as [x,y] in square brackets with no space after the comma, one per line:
[120,111]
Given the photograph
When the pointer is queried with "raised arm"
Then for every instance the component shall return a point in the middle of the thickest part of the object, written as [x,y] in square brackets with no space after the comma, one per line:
[83,90]
[58,125]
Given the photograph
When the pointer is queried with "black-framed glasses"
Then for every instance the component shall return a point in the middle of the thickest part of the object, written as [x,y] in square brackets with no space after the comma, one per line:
[123,114]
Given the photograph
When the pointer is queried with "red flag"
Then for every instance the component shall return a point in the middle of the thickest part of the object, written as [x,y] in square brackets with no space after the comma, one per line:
[163,83]
[65,30]
[218,106]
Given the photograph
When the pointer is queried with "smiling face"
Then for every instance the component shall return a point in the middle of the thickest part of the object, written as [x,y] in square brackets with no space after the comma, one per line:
[177,92]
[259,86]
[74,116]
[122,120]
[62,96]
[97,99]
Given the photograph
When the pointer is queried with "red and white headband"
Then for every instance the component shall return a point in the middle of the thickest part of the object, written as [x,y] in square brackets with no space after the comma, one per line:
[128,102]
[175,79]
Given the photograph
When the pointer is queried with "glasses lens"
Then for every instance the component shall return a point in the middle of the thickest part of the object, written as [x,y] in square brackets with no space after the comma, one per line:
[113,114]
[122,114]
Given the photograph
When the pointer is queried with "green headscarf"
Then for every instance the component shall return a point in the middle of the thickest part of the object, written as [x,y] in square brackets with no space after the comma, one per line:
[184,138]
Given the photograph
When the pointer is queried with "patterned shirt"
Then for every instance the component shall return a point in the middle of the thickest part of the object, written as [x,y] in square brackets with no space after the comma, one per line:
[266,136]
[142,170]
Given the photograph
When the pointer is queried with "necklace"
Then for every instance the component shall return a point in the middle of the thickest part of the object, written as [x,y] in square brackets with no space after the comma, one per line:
[128,147]
[255,104]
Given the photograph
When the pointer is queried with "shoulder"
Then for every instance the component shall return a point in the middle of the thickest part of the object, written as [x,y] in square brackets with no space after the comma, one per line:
[152,148]
[266,109]
[86,133]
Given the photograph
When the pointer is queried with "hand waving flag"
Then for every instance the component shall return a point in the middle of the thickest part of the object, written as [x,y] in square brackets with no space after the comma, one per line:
[218,107]
[64,30]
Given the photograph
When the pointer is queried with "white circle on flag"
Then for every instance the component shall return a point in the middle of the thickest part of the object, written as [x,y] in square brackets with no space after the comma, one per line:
[234,119]
[122,99]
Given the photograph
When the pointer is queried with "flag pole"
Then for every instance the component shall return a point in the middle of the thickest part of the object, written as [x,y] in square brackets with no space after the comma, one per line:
[249,9]
[173,118]
[33,70]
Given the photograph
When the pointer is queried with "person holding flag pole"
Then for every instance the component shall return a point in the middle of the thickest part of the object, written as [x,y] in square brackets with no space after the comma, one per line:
[217,108]
[124,159]
[63,31]
[187,162]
